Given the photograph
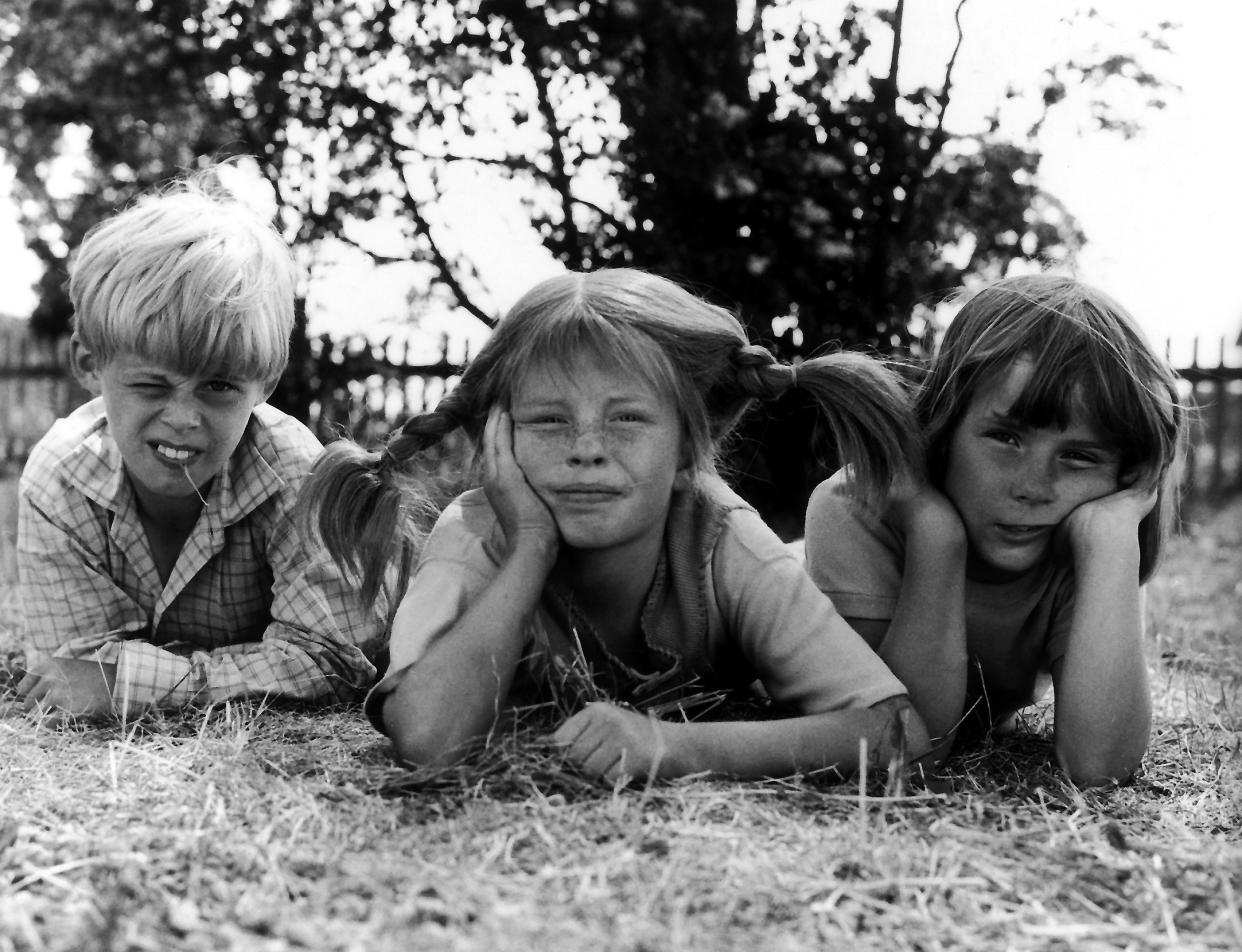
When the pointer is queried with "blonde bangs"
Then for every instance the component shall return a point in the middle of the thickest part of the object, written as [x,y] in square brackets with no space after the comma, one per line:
[190,282]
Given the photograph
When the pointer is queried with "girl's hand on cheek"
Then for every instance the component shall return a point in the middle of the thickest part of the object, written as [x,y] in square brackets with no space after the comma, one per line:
[523,516]
[611,743]
[1111,520]
[919,506]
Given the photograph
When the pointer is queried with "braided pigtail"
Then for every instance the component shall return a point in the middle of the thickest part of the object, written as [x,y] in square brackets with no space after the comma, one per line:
[369,509]
[864,404]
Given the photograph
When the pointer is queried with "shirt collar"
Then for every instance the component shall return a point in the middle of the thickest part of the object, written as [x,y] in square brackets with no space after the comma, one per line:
[95,469]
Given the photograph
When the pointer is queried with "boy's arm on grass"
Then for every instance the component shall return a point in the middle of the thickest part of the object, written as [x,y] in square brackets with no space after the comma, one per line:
[74,617]
[1103,701]
[72,608]
[611,743]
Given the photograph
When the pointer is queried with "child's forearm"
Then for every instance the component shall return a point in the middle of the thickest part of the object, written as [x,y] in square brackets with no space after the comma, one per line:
[778,748]
[1103,703]
[454,693]
[925,645]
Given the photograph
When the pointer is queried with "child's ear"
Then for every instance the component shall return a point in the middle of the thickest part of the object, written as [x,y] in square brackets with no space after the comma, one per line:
[84,365]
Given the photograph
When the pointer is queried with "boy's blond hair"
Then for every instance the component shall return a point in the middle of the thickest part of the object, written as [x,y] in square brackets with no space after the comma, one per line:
[188,277]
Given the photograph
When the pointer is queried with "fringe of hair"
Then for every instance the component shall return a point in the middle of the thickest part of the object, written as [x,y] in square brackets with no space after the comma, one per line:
[190,276]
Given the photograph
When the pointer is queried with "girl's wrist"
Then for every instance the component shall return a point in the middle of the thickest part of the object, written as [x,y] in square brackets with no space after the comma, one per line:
[682,755]
[539,545]
[935,530]
[1107,552]
[1092,539]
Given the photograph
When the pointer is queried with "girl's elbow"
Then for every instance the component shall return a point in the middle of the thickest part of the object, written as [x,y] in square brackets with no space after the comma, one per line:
[1097,768]
[419,739]
[423,748]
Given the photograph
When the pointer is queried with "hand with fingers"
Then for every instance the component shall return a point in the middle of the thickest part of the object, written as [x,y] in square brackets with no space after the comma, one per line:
[524,517]
[614,744]
[1103,524]
[64,688]
[915,506]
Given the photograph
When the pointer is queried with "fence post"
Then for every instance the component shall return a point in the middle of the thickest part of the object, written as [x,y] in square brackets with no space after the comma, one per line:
[1219,421]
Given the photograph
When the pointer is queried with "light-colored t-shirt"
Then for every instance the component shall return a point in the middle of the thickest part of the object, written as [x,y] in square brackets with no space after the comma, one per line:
[729,605]
[1015,630]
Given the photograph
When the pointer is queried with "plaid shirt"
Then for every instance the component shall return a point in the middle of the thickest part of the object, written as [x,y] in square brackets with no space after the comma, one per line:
[247,610]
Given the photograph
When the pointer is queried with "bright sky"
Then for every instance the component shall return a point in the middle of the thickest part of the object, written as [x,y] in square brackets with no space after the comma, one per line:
[1162,211]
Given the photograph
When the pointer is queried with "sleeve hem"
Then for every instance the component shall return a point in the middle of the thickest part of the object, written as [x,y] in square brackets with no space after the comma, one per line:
[858,605]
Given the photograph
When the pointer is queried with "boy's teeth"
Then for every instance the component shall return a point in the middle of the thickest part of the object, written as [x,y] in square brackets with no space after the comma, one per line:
[172,454]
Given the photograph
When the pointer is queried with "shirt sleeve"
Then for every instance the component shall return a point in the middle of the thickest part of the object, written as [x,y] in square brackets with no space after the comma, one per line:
[1061,618]
[853,556]
[317,646]
[791,634]
[70,604]
[453,570]
[72,607]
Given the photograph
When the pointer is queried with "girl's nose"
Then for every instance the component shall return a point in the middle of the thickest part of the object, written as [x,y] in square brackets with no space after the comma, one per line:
[588,447]
[1032,483]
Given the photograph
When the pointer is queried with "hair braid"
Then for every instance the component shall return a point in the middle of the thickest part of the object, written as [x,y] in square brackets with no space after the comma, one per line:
[863,403]
[368,508]
[760,375]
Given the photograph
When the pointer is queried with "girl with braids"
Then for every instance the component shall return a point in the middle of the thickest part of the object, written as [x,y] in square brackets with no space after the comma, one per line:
[1053,433]
[603,539]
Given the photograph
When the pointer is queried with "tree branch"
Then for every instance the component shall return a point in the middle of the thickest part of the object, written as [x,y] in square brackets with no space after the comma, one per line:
[895,58]
[423,227]
[942,100]
[559,178]
[935,142]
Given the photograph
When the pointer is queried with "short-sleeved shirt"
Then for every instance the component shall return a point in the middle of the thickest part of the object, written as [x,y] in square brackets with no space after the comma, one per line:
[247,609]
[1015,630]
[729,605]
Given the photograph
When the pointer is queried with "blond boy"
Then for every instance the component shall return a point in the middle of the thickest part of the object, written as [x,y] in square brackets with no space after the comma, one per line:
[158,563]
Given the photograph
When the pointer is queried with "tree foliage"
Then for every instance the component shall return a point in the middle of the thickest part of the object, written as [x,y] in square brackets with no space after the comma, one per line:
[774,162]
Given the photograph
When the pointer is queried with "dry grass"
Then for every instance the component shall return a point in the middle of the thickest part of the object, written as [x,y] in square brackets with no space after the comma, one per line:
[280,828]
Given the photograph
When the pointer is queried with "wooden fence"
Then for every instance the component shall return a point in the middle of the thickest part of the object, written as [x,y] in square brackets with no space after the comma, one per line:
[1214,463]
[362,389]
[35,388]
[351,387]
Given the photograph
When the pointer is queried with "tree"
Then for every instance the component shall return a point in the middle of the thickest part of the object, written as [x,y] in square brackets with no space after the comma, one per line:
[765,161]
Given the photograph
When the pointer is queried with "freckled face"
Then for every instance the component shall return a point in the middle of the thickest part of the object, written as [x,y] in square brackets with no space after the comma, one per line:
[167,424]
[601,448]
[1014,484]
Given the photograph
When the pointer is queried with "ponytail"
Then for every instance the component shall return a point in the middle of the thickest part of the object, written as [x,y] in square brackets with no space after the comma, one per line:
[369,509]
[865,405]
